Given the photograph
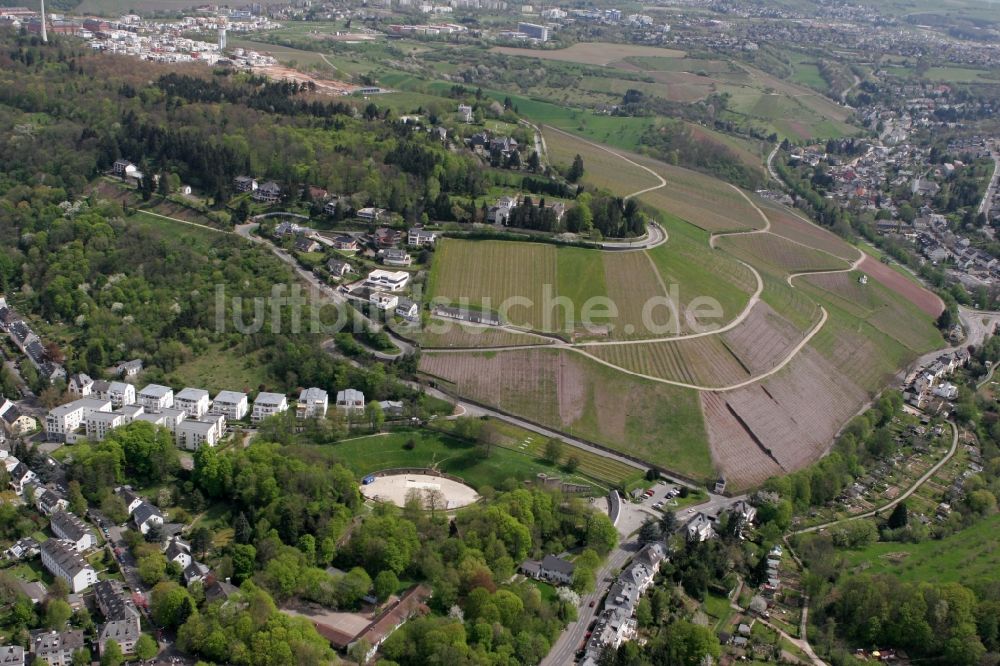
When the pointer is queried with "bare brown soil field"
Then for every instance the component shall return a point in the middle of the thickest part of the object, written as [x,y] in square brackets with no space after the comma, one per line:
[591,53]
[763,339]
[789,418]
[475,337]
[327,86]
[704,361]
[768,250]
[922,298]
[734,451]
[788,224]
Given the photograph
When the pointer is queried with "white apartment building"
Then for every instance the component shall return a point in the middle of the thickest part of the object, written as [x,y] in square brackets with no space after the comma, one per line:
[390,280]
[156,398]
[99,424]
[68,527]
[193,401]
[268,404]
[120,394]
[350,401]
[313,403]
[192,435]
[231,404]
[66,419]
[62,560]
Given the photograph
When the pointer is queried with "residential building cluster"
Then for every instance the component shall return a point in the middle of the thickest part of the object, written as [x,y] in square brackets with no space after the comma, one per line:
[29,343]
[928,387]
[191,415]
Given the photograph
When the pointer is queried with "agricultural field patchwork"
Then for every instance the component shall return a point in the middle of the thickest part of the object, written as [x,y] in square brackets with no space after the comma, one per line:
[780,255]
[448,335]
[788,224]
[565,390]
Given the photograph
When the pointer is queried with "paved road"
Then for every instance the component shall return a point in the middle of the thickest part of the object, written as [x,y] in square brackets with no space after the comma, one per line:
[991,190]
[564,650]
[912,489]
[770,165]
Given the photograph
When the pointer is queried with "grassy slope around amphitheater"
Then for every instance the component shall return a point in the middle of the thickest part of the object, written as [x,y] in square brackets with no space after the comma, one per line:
[794,403]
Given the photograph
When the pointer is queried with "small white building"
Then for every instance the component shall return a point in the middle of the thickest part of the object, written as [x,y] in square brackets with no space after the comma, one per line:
[407,309]
[268,404]
[383,301]
[146,517]
[155,398]
[388,280]
[231,404]
[195,402]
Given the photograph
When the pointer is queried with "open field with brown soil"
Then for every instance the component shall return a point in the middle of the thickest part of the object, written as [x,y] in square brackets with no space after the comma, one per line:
[565,390]
[763,339]
[922,298]
[782,423]
[704,361]
[768,251]
[591,53]
[789,225]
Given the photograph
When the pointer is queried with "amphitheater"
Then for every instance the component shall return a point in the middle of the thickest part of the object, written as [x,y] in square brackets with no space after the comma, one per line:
[396,485]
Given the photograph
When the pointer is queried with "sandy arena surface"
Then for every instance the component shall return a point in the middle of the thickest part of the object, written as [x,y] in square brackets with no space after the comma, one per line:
[395,488]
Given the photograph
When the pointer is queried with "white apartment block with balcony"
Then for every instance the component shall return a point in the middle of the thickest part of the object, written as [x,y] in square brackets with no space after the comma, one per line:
[231,404]
[156,398]
[63,421]
[268,404]
[193,401]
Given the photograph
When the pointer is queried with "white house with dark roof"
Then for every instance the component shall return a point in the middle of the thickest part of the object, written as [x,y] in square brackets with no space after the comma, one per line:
[155,398]
[113,601]
[407,309]
[420,237]
[130,498]
[68,527]
[80,385]
[179,551]
[128,369]
[313,403]
[269,192]
[61,559]
[56,648]
[700,528]
[146,516]
[231,404]
[268,404]
[338,268]
[194,401]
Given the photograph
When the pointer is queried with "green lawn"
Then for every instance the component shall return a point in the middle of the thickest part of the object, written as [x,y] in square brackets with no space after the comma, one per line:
[718,607]
[449,454]
[969,556]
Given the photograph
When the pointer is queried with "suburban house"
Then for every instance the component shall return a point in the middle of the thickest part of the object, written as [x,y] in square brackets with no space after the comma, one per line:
[289,228]
[68,527]
[407,309]
[395,257]
[312,403]
[700,528]
[21,477]
[552,569]
[500,212]
[23,549]
[269,192]
[131,499]
[268,404]
[231,404]
[178,551]
[146,516]
[13,421]
[245,184]
[331,206]
[338,268]
[392,409]
[194,402]
[192,435]
[465,113]
[80,385]
[155,398]
[129,368]
[370,214]
[305,244]
[63,561]
[420,237]
[383,300]
[195,572]
[744,512]
[386,238]
[66,419]
[390,280]
[56,648]
[345,244]
[46,501]
[350,401]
